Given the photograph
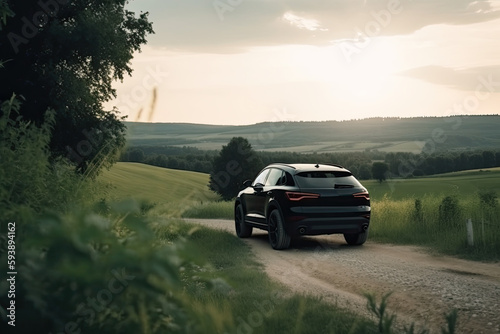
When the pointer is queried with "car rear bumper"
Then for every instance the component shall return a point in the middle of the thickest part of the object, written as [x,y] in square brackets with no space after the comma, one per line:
[317,226]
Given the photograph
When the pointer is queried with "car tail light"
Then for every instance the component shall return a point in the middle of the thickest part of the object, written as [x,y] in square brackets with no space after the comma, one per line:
[295,196]
[363,194]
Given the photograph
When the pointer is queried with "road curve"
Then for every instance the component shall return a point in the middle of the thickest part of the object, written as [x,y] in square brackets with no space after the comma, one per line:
[424,287]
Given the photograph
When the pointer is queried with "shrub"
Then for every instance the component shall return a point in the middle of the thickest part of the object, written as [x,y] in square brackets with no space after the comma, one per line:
[418,215]
[488,199]
[386,320]
[83,272]
[29,181]
[449,210]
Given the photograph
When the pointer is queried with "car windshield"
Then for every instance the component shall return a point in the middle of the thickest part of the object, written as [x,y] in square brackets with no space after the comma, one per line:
[326,179]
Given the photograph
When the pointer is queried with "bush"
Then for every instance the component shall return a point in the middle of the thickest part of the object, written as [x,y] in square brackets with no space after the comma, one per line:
[488,199]
[84,272]
[29,181]
[449,211]
[80,270]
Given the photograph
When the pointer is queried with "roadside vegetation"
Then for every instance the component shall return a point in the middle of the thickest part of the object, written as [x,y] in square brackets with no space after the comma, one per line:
[440,224]
[89,264]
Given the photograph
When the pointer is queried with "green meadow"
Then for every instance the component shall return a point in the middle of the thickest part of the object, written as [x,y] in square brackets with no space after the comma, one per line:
[433,212]
[161,185]
[170,191]
[427,211]
[384,134]
[465,184]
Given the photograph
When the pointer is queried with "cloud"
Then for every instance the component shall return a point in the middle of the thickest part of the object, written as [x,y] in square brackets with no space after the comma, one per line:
[220,26]
[466,79]
[302,23]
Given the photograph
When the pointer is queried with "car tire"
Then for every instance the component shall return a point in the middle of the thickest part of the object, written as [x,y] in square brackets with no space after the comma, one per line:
[242,228]
[278,237]
[356,239]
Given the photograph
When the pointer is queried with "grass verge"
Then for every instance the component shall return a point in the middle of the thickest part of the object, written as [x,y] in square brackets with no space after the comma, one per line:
[210,210]
[236,283]
[440,223]
[434,221]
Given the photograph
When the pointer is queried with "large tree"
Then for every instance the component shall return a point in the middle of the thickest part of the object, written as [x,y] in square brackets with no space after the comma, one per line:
[236,162]
[64,55]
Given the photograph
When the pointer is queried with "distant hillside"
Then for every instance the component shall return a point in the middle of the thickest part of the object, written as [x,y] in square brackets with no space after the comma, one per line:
[383,134]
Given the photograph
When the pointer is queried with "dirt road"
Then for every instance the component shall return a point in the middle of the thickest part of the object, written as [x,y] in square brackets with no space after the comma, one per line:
[424,287]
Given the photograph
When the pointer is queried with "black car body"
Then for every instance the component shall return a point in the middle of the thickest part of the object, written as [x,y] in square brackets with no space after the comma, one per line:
[291,200]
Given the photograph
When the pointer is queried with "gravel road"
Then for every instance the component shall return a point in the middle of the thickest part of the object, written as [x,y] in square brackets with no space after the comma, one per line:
[424,287]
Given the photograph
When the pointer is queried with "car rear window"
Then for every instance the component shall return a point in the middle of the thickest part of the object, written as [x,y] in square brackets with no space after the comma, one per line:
[326,179]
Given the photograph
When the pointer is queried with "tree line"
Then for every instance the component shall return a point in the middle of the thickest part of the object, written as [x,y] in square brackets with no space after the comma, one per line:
[399,164]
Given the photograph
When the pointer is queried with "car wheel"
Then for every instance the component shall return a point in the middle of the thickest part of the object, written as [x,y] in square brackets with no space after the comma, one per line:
[278,238]
[242,228]
[356,239]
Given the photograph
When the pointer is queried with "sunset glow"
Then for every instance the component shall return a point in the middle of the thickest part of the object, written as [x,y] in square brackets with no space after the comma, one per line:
[343,60]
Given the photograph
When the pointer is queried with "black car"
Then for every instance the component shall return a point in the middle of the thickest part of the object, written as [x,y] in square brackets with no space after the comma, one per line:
[291,200]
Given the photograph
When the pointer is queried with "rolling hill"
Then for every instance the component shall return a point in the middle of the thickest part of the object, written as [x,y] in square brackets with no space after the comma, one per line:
[383,134]
[172,189]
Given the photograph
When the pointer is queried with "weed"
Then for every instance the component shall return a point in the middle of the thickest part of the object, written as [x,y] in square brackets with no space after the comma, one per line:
[488,199]
[386,321]
[449,211]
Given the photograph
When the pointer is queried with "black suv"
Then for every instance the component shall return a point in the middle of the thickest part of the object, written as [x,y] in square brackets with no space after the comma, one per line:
[290,200]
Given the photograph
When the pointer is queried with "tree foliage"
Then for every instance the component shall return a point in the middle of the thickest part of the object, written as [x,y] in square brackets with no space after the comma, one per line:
[379,171]
[236,162]
[401,164]
[64,55]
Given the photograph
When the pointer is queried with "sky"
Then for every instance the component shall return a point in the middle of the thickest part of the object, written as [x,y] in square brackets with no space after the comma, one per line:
[249,61]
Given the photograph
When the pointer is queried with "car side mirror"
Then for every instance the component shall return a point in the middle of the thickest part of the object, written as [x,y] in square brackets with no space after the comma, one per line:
[258,187]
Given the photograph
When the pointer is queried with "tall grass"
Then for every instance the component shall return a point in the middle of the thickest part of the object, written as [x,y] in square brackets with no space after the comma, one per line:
[440,223]
[30,181]
[233,282]
[210,210]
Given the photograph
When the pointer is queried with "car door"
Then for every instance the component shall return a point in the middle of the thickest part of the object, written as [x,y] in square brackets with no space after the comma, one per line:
[265,194]
[255,198]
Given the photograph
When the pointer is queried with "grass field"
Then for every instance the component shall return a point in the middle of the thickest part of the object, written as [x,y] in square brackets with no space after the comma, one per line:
[463,184]
[231,291]
[233,288]
[161,185]
[226,288]
[387,134]
[445,203]
[170,191]
[340,146]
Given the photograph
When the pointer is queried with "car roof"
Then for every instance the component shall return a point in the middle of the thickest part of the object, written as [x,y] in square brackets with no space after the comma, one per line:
[301,167]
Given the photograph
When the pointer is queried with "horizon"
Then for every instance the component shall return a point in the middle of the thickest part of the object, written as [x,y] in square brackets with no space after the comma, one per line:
[323,121]
[247,62]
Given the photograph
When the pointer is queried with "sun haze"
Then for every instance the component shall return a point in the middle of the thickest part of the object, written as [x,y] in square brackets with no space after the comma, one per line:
[246,61]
